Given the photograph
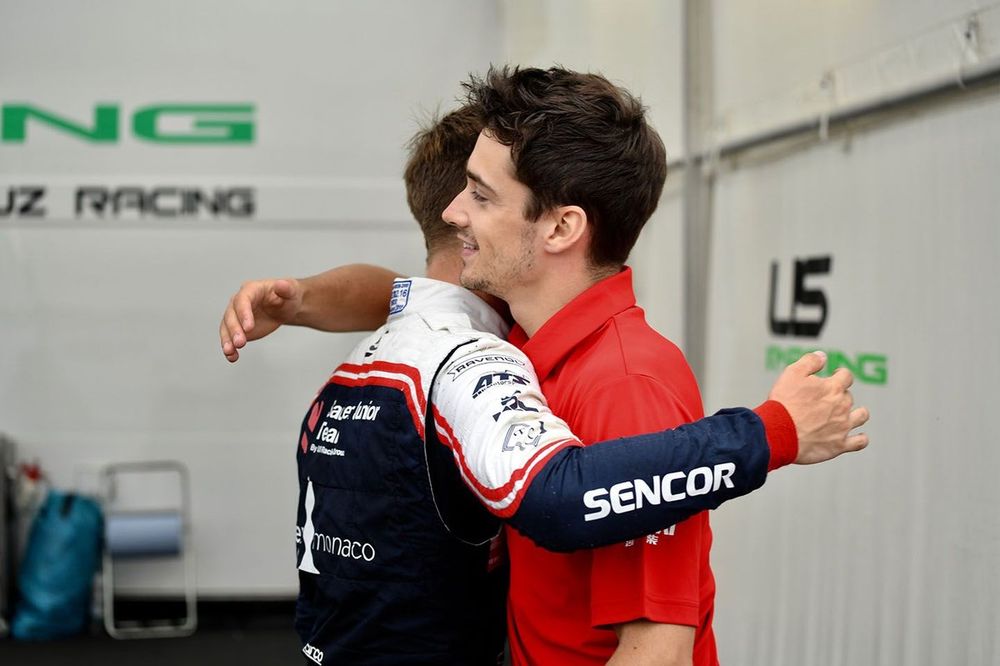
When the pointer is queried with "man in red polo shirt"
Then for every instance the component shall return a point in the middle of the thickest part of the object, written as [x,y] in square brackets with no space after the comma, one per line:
[562,179]
[603,368]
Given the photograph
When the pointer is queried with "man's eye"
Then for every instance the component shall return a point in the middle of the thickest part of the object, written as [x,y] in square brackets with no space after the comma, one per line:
[476,196]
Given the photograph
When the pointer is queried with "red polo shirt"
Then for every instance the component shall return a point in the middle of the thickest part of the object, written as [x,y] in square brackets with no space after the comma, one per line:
[608,374]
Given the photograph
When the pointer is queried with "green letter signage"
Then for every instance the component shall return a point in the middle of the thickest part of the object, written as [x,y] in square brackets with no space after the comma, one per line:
[210,123]
[15,121]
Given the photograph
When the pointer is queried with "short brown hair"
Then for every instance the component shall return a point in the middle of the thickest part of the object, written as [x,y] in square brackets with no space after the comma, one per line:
[577,139]
[435,172]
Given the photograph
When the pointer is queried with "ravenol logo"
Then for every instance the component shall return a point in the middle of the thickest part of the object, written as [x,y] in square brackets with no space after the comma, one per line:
[400,296]
[174,124]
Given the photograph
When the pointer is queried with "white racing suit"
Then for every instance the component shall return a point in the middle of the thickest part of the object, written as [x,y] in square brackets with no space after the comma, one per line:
[433,430]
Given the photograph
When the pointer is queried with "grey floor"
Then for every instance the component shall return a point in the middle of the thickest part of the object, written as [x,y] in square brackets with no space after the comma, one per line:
[262,646]
[241,635]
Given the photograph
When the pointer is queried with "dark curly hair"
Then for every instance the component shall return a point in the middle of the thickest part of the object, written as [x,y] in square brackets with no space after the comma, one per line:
[576,139]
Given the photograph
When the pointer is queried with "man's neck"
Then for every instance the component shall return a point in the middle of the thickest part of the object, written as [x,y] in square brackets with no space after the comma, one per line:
[446,265]
[535,303]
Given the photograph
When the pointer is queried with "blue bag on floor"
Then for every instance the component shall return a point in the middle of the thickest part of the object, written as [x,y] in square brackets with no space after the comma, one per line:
[56,578]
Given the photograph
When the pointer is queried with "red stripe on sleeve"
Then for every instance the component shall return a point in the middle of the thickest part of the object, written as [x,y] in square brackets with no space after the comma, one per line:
[349,374]
[526,472]
[781,436]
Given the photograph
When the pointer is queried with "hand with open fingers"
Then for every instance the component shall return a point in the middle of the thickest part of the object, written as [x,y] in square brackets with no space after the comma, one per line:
[257,310]
[822,409]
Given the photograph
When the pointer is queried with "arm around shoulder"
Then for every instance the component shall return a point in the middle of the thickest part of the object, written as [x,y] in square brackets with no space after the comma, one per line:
[645,643]
[347,298]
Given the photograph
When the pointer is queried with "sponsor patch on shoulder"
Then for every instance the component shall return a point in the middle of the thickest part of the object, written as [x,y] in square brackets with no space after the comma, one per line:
[461,366]
[523,435]
[400,296]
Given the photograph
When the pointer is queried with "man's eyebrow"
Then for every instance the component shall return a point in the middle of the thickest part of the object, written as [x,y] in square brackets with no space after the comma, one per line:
[477,179]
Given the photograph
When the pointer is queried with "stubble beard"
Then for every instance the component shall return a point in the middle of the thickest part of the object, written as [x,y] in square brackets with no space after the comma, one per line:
[478,283]
[500,279]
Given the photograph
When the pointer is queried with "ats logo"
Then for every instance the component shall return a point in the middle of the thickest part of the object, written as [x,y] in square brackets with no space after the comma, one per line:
[497,379]
[806,317]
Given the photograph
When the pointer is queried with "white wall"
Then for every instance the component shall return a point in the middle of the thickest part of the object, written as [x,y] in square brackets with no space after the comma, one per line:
[658,264]
[888,556]
[783,61]
[108,348]
[637,44]
[109,326]
[336,84]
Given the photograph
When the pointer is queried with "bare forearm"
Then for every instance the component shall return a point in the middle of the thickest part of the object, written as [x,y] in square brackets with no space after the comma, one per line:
[347,298]
[645,643]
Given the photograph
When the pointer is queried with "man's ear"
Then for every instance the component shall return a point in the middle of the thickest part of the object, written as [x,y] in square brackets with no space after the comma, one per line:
[567,228]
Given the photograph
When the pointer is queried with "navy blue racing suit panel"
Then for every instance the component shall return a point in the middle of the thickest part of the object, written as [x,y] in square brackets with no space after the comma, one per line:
[585,497]
[383,570]
[383,579]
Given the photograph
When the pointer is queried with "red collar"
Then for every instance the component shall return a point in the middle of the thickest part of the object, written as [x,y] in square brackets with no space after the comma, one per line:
[577,320]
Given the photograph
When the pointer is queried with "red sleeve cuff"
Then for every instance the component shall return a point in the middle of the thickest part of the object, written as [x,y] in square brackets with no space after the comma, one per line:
[780,431]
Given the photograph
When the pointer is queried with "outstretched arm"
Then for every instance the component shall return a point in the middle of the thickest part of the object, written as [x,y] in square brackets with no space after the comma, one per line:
[526,466]
[347,298]
[615,490]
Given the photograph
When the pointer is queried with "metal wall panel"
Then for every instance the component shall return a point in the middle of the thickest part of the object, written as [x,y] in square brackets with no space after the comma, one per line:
[888,556]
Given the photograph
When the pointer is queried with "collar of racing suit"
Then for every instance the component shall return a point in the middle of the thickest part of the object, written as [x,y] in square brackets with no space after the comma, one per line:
[434,298]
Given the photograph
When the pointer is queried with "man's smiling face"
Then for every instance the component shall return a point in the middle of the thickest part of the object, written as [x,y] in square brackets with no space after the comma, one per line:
[499,243]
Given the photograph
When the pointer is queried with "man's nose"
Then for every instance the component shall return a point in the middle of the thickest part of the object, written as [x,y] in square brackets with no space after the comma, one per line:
[453,214]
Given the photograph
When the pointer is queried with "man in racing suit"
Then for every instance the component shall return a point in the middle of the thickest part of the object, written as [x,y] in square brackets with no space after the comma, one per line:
[394,549]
